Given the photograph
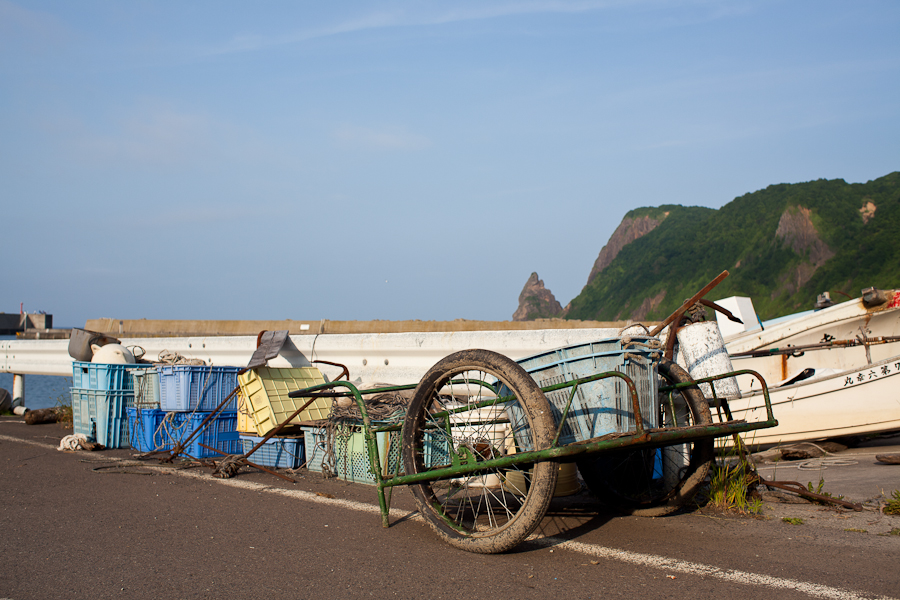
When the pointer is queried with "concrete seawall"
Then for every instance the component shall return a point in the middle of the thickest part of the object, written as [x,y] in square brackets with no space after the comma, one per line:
[12,323]
[176,328]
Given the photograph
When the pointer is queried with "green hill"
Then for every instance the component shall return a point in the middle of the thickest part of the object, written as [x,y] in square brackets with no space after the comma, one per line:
[783,246]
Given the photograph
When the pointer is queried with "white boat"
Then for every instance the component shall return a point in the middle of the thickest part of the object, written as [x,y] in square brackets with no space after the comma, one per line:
[820,385]
[854,402]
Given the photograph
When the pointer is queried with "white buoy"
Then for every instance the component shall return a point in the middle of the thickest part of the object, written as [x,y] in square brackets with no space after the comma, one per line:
[701,351]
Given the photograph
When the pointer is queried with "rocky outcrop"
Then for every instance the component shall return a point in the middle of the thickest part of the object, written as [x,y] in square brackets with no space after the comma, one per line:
[536,302]
[797,231]
[646,306]
[867,211]
[628,230]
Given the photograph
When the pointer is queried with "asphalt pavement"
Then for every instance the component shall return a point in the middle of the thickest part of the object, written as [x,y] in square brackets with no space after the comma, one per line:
[103,525]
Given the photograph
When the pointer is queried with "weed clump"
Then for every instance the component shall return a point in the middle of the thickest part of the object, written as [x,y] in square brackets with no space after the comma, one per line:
[64,410]
[893,505]
[731,488]
[818,490]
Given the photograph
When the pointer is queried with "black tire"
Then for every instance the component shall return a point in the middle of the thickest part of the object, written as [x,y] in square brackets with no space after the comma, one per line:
[479,513]
[656,481]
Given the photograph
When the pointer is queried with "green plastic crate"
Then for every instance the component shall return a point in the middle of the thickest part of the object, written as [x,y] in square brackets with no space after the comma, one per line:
[350,452]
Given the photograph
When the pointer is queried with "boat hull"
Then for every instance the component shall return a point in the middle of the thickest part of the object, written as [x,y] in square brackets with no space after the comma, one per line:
[860,401]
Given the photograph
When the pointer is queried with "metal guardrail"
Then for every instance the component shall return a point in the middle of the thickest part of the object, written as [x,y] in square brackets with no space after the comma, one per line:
[396,358]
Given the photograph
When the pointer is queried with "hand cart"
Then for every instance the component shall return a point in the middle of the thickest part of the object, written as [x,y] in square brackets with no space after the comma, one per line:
[482,439]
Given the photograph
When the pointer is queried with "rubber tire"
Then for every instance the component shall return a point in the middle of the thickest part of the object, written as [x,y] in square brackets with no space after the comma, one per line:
[605,474]
[536,410]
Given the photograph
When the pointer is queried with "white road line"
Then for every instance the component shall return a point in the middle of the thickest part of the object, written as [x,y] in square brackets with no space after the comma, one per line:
[681,566]
[671,565]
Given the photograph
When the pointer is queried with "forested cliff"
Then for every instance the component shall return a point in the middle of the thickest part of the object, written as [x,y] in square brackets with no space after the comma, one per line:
[783,246]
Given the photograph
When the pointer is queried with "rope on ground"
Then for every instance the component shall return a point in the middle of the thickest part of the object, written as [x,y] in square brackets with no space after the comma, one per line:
[228,467]
[818,464]
[120,469]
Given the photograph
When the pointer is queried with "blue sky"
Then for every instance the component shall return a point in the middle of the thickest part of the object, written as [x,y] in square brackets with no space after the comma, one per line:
[402,160]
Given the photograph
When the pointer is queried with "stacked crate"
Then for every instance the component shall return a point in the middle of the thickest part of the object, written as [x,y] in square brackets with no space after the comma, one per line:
[265,403]
[101,394]
[188,395]
[350,460]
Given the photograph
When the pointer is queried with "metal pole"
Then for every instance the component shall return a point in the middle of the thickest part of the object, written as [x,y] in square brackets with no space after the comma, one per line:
[18,394]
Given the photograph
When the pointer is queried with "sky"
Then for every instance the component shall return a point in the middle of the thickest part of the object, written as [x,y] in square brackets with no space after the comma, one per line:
[407,159]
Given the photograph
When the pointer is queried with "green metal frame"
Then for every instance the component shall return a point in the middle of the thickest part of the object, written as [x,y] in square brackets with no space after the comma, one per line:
[638,439]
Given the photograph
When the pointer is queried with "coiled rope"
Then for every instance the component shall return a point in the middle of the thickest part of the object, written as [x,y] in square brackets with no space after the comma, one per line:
[168,357]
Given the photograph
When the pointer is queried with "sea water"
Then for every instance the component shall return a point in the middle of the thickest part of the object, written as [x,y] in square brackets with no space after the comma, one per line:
[41,391]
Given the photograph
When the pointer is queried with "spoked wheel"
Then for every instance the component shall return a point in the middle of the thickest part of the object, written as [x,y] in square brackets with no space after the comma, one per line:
[656,481]
[472,406]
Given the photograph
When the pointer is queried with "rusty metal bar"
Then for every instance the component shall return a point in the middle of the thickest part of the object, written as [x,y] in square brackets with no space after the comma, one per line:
[797,488]
[791,350]
[689,302]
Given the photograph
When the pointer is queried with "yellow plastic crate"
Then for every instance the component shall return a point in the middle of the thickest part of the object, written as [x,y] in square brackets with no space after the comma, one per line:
[265,391]
[245,421]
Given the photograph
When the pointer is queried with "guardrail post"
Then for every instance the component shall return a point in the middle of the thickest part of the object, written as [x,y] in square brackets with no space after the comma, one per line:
[18,391]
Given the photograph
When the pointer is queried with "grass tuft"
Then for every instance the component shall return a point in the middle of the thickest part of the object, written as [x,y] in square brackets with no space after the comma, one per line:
[893,505]
[732,484]
[64,410]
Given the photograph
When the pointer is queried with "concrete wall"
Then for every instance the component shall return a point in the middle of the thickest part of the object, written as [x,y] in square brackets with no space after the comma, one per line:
[371,357]
[167,328]
[14,322]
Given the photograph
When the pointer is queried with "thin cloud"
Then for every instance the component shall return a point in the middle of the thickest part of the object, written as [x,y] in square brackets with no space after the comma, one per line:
[36,29]
[412,18]
[366,138]
[156,135]
[147,136]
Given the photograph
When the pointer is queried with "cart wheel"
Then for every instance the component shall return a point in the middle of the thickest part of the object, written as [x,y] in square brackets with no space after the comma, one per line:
[480,512]
[656,481]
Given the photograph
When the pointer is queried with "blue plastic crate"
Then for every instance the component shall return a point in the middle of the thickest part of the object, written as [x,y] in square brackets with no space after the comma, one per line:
[190,387]
[281,453]
[101,415]
[103,376]
[153,429]
[599,407]
[146,388]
